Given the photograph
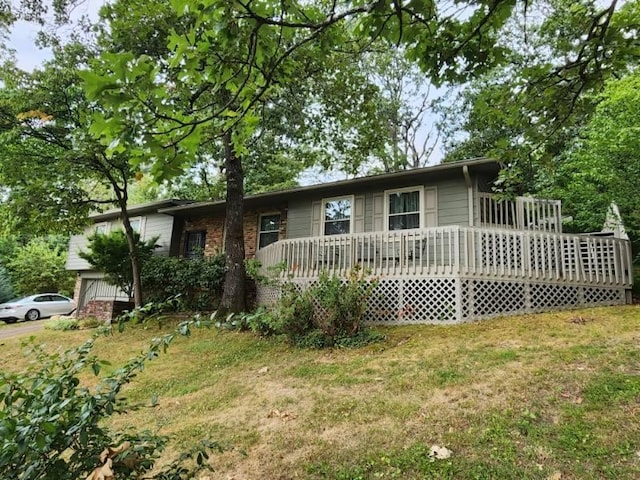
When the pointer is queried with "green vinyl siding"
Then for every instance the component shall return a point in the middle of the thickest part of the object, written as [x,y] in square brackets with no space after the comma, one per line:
[452,206]
[453,202]
[299,218]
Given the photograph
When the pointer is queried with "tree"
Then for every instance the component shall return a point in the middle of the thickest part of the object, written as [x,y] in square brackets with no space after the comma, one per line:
[54,173]
[528,111]
[229,59]
[603,165]
[110,254]
[401,108]
[39,267]
[6,287]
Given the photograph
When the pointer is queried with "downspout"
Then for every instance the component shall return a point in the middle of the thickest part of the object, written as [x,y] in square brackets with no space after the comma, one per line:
[467,179]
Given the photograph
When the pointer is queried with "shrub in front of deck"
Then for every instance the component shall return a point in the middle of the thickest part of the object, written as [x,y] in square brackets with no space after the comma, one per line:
[329,313]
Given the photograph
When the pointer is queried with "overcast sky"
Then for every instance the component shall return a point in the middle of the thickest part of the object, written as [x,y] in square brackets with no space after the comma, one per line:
[23,41]
[23,36]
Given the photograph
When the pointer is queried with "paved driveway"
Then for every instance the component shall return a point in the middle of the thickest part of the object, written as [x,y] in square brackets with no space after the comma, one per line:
[21,328]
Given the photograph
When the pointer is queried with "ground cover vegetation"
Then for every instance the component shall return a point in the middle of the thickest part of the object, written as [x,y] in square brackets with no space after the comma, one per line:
[53,426]
[536,396]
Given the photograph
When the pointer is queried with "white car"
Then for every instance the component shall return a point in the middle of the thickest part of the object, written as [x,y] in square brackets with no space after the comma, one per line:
[36,306]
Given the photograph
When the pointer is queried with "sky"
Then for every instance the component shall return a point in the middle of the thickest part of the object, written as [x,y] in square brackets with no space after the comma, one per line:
[23,41]
[22,38]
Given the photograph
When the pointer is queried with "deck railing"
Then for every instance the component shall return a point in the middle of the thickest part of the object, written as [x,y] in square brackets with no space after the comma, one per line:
[458,251]
[523,213]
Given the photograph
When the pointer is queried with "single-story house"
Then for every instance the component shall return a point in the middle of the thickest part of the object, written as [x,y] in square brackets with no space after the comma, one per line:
[441,247]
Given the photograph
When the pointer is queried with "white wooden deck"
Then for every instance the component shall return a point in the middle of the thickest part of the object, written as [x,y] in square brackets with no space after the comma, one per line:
[458,251]
[456,273]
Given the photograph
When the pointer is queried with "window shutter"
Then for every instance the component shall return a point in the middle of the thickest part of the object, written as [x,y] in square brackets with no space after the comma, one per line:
[316,218]
[430,207]
[378,212]
[358,214]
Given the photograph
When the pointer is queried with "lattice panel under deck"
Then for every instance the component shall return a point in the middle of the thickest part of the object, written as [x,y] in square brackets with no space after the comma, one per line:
[417,300]
[494,297]
[267,294]
[603,296]
[546,297]
[435,299]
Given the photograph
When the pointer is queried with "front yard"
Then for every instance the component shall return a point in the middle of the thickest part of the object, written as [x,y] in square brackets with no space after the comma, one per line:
[537,396]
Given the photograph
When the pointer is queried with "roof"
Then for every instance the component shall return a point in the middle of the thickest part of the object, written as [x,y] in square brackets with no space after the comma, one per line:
[272,199]
[140,209]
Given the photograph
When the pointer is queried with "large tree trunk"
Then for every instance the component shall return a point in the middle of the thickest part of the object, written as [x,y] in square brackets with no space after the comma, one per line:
[135,261]
[233,294]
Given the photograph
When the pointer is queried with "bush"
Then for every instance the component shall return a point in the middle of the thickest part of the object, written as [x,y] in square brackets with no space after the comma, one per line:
[63,324]
[327,314]
[198,281]
[110,254]
[39,267]
[53,427]
[6,289]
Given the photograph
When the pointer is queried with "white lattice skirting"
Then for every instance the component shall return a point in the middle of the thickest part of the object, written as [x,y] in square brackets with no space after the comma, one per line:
[454,300]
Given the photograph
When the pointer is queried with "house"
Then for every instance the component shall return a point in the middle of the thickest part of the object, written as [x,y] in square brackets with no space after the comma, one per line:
[442,248]
[94,296]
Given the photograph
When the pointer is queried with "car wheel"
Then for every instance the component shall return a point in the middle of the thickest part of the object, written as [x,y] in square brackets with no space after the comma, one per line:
[32,314]
[9,320]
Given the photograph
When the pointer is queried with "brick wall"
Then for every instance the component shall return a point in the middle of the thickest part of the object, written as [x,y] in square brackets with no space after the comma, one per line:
[214,226]
[104,310]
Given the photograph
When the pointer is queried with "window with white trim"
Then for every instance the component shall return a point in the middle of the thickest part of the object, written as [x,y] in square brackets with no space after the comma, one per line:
[136,224]
[337,215]
[268,229]
[101,228]
[403,208]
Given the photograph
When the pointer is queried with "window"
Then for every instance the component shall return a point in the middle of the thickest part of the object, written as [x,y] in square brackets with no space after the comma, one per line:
[58,298]
[269,230]
[136,224]
[337,215]
[102,228]
[403,209]
[194,244]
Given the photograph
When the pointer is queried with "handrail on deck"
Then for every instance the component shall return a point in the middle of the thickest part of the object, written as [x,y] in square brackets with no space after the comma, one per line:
[522,213]
[458,251]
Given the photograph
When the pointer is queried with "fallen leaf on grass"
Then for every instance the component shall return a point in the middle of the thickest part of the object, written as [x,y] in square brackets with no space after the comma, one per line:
[555,476]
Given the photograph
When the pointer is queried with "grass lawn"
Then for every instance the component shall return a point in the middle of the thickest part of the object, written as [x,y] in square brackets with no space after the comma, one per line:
[550,396]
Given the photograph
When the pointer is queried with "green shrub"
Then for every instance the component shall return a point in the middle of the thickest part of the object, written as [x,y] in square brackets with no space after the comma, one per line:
[89,322]
[110,254]
[39,267]
[328,314]
[63,324]
[6,288]
[53,427]
[198,281]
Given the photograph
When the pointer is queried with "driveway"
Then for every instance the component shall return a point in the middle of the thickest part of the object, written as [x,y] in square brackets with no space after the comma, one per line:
[21,328]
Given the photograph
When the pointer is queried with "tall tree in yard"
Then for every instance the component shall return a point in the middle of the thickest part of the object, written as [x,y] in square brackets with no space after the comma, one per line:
[530,110]
[231,58]
[52,170]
